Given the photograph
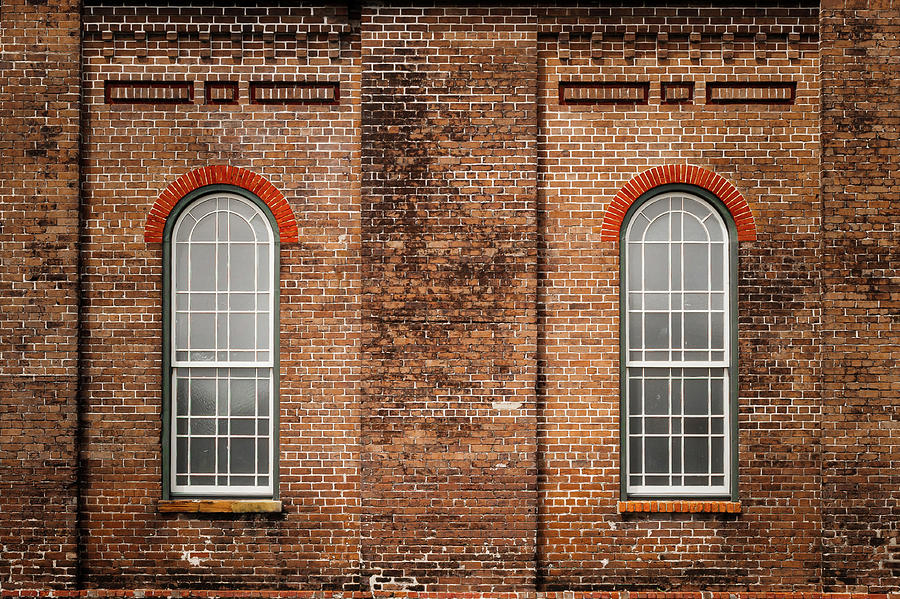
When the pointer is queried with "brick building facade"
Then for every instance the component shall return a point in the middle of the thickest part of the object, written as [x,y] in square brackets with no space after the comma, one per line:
[450,194]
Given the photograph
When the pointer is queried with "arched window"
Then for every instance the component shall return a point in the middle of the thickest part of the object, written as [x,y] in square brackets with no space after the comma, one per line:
[679,392]
[221,345]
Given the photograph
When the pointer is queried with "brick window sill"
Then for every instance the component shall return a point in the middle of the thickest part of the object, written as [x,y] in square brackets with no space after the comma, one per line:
[219,506]
[678,506]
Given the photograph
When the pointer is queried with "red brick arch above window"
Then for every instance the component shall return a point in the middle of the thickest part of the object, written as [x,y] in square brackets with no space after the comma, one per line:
[679,173]
[211,175]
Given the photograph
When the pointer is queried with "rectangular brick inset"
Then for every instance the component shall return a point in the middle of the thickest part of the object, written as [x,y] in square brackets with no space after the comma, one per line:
[221,92]
[751,92]
[149,92]
[681,92]
[603,93]
[294,92]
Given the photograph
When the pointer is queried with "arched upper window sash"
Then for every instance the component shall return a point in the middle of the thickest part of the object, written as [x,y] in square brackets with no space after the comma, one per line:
[220,346]
[678,345]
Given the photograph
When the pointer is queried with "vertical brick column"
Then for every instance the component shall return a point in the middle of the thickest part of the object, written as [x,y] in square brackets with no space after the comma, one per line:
[449,252]
[39,104]
[861,309]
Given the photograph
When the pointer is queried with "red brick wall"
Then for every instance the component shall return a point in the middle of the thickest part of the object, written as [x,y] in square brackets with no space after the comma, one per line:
[38,292]
[770,154]
[861,309]
[310,153]
[449,247]
[449,313]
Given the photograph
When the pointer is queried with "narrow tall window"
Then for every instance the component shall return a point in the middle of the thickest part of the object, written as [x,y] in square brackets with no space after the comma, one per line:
[678,348]
[222,347]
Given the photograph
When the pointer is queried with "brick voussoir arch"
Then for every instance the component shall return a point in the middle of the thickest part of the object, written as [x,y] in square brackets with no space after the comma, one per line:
[679,173]
[211,175]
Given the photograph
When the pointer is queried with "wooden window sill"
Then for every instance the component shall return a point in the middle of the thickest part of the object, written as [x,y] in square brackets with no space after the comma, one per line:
[219,506]
[679,506]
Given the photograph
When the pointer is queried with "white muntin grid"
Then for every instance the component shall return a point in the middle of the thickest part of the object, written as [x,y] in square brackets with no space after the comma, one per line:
[677,354]
[223,262]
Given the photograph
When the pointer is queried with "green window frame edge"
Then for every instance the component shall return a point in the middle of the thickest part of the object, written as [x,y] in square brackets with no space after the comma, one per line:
[166,435]
[723,211]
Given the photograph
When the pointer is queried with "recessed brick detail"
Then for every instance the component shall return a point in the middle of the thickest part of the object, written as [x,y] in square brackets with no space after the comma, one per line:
[692,506]
[211,175]
[679,173]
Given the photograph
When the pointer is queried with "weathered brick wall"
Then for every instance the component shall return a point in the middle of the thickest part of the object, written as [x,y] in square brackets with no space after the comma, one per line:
[39,70]
[449,252]
[449,316]
[311,154]
[861,292]
[770,154]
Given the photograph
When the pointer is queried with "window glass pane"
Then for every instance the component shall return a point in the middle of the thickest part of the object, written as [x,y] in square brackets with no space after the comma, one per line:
[203,426]
[181,395]
[262,398]
[202,456]
[262,456]
[242,331]
[718,455]
[181,269]
[696,266]
[635,271]
[263,278]
[201,331]
[243,455]
[696,455]
[204,230]
[202,273]
[243,267]
[656,270]
[696,400]
[262,331]
[243,301]
[203,398]
[694,230]
[717,332]
[656,332]
[241,229]
[635,335]
[203,301]
[716,267]
[657,454]
[243,426]
[636,453]
[260,227]
[243,397]
[696,335]
[181,449]
[656,400]
[658,229]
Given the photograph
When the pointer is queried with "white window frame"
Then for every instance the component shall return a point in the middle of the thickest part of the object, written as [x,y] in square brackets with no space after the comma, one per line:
[726,363]
[220,368]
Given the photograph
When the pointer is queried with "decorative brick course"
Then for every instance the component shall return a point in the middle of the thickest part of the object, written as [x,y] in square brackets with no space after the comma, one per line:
[652,507]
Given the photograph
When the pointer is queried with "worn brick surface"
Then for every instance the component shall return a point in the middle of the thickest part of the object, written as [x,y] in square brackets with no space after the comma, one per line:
[449,311]
[770,154]
[449,252]
[132,152]
[861,309]
[38,292]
